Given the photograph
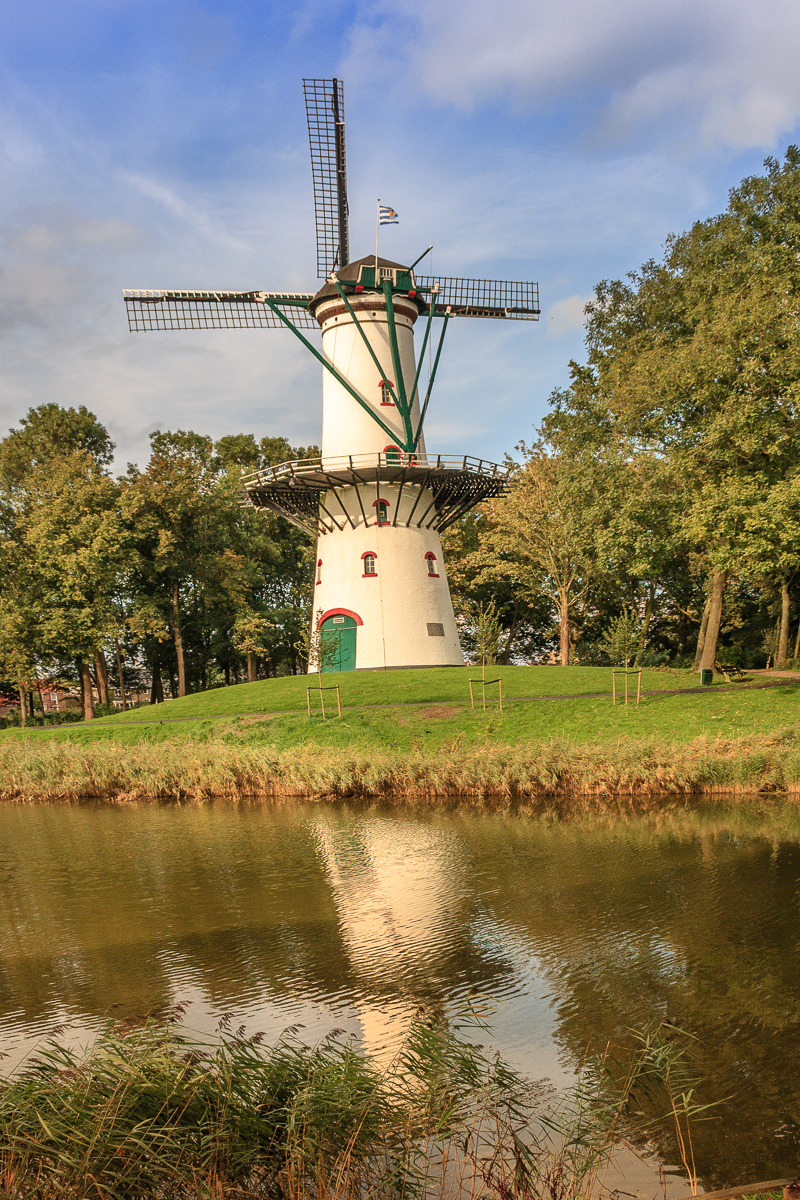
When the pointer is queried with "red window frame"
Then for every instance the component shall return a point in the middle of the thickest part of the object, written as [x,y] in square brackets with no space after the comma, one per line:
[319,571]
[386,394]
[430,559]
[376,505]
[373,574]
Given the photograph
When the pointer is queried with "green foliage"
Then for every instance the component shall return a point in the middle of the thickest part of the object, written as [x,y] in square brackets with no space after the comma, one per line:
[623,640]
[162,569]
[151,1111]
[481,631]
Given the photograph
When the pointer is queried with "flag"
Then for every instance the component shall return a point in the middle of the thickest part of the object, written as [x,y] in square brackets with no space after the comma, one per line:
[387,215]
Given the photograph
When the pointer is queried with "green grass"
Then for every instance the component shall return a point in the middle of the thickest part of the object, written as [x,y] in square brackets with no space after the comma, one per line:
[150,1113]
[428,711]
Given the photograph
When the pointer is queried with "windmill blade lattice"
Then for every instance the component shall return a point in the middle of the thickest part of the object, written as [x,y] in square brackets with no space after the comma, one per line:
[152,309]
[325,113]
[497,298]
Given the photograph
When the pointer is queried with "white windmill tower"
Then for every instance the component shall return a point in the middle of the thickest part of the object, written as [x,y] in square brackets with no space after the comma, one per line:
[375,500]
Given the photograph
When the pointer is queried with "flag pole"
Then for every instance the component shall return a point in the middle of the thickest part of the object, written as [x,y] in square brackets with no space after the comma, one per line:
[377,232]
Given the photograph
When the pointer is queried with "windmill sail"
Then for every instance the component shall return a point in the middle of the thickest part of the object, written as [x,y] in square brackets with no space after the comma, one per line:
[325,112]
[501,298]
[151,309]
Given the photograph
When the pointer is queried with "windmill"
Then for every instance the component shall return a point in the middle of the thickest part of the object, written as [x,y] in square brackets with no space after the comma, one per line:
[375,500]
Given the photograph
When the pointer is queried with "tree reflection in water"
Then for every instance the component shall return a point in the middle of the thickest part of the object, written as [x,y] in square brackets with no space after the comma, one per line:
[354,917]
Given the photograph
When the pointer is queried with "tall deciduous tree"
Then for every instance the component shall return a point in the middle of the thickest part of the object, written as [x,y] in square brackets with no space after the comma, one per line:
[62,522]
[697,359]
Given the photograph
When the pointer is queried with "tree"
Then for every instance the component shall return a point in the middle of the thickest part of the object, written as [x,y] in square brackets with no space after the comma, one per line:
[79,548]
[63,533]
[540,524]
[696,359]
[169,504]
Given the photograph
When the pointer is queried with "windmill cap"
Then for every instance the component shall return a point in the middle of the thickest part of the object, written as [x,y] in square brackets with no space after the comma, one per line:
[349,274]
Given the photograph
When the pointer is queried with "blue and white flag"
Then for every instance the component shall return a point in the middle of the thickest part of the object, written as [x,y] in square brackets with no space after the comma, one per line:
[387,215]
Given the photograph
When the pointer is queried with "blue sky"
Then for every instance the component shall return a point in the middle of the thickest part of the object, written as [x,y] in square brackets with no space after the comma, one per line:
[163,144]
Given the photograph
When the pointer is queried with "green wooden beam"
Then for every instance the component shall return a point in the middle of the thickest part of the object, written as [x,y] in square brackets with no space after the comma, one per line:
[336,374]
[384,374]
[422,354]
[403,405]
[430,381]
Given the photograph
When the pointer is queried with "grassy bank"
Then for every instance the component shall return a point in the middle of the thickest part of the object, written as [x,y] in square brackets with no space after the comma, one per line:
[536,773]
[413,735]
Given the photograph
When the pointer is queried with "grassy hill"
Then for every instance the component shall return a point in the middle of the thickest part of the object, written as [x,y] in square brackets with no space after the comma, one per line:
[426,709]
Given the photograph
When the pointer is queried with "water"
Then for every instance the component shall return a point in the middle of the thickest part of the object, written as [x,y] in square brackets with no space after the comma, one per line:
[352,918]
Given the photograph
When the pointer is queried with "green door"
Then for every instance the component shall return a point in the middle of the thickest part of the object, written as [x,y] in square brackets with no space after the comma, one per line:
[338,644]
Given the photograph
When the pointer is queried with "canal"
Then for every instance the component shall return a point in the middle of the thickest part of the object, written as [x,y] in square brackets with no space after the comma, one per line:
[569,934]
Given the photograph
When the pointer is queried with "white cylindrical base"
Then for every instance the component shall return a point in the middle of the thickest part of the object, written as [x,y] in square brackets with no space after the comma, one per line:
[403,612]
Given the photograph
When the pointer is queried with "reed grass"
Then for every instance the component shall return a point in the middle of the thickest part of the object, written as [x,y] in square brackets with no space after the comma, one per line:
[589,773]
[148,1113]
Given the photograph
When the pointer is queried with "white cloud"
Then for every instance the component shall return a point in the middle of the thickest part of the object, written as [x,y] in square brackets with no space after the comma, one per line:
[721,72]
[566,315]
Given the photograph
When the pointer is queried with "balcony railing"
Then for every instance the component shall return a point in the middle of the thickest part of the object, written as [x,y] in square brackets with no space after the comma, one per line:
[311,492]
[357,463]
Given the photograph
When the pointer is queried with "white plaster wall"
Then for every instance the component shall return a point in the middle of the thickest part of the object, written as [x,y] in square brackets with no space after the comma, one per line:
[346,427]
[396,604]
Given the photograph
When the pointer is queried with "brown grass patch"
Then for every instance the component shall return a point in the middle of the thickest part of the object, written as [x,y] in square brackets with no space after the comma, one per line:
[438,712]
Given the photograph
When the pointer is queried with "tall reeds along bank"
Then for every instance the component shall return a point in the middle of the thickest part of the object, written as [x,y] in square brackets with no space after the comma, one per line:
[150,1113]
[198,771]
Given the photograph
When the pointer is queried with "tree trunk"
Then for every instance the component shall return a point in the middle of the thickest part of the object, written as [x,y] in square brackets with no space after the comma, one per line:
[156,687]
[701,637]
[783,636]
[649,609]
[797,643]
[87,699]
[252,667]
[23,707]
[709,659]
[120,676]
[176,630]
[101,671]
[563,627]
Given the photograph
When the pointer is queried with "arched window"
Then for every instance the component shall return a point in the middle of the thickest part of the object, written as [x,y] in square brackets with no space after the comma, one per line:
[319,570]
[387,400]
[430,559]
[369,559]
[394,455]
[381,511]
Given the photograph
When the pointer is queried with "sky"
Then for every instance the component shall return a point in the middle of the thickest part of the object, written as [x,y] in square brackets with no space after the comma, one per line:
[162,143]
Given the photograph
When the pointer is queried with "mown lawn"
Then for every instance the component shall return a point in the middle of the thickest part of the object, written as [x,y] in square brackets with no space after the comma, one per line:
[421,710]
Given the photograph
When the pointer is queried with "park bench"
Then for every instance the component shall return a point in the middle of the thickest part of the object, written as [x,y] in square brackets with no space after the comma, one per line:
[732,674]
